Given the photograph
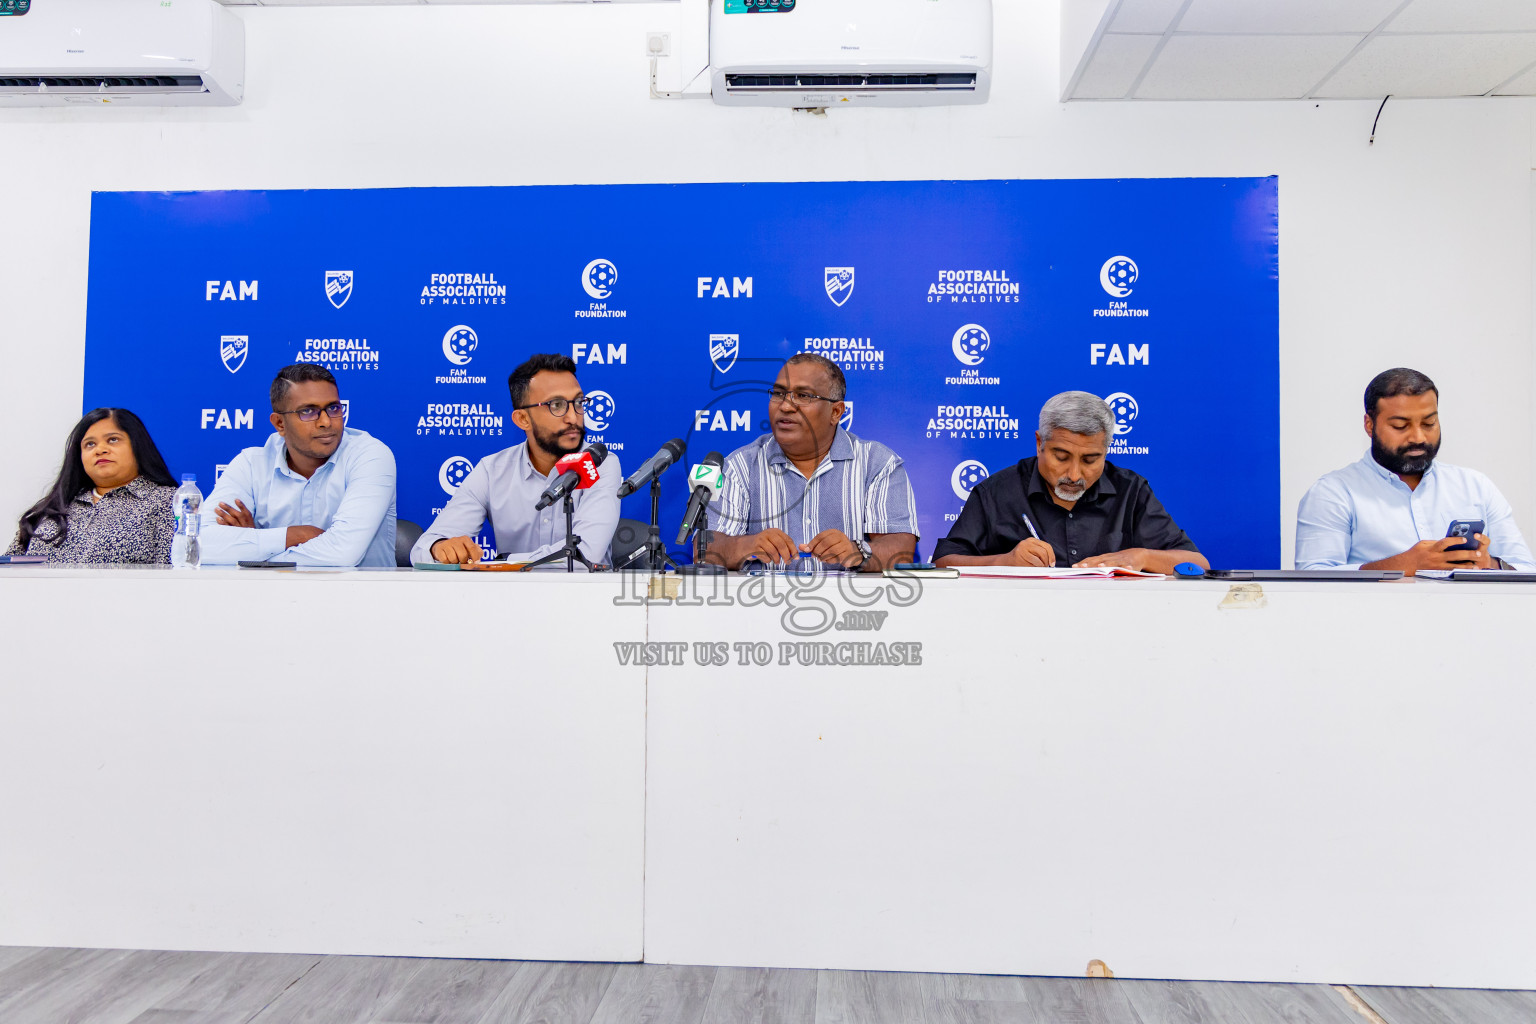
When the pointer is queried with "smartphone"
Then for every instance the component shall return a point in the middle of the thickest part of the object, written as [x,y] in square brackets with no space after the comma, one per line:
[1465,528]
[268,565]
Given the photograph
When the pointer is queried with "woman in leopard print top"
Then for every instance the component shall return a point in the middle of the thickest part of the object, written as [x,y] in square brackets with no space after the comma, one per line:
[111,504]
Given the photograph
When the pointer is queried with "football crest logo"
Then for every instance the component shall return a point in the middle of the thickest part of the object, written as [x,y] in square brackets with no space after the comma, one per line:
[233,349]
[338,287]
[839,281]
[847,420]
[723,349]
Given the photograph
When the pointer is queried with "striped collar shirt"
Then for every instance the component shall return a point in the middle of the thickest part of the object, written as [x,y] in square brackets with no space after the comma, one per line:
[860,488]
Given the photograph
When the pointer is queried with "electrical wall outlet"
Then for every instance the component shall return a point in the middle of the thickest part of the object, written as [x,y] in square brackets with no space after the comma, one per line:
[658,44]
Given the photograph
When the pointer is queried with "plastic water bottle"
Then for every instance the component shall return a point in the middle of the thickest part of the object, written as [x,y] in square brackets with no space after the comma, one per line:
[186,553]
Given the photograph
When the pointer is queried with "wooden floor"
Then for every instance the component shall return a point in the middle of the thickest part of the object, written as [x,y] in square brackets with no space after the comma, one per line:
[114,986]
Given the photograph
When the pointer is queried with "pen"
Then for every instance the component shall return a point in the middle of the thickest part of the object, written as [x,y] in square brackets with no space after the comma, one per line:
[1032,531]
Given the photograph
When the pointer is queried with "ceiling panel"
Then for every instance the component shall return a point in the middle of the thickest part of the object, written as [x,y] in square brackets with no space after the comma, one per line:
[1116,63]
[1145,15]
[1242,67]
[1466,16]
[1255,17]
[1432,65]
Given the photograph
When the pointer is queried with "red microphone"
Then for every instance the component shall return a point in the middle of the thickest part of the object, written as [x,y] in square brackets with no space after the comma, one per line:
[578,471]
[582,463]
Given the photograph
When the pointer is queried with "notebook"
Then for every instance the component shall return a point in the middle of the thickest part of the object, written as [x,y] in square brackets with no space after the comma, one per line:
[1022,572]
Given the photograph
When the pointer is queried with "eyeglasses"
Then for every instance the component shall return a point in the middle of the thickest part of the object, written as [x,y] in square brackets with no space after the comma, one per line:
[798,398]
[310,413]
[557,406]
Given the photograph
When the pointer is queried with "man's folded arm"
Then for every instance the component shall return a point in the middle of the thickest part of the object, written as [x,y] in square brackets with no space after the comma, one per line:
[369,495]
[226,545]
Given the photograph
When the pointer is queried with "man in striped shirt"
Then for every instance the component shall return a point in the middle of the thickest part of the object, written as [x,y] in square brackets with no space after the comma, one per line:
[811,489]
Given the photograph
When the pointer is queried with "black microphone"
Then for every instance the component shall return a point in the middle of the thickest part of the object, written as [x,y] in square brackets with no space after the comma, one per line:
[581,474]
[705,479]
[654,466]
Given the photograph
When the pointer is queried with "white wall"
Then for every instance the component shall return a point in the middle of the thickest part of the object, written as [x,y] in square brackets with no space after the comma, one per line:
[1416,251]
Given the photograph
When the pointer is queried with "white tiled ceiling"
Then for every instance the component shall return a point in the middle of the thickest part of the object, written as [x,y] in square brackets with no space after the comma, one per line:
[1295,49]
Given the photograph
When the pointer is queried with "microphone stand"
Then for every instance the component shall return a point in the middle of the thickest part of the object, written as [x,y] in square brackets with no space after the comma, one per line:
[653,548]
[572,550]
[700,567]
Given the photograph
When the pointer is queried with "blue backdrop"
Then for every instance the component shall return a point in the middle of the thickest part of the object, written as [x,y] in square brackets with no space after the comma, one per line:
[956,308]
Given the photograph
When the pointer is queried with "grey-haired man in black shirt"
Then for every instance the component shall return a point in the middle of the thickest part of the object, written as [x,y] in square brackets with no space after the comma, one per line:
[1068,505]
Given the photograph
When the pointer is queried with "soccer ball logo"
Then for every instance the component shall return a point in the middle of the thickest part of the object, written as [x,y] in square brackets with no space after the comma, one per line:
[1117,275]
[1124,409]
[598,411]
[454,472]
[459,344]
[966,476]
[599,277]
[971,343]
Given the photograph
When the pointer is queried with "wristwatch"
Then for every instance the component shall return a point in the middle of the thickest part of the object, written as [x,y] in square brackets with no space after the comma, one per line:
[864,549]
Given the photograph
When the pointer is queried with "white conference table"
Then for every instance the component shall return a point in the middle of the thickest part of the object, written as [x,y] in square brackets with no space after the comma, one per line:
[1332,787]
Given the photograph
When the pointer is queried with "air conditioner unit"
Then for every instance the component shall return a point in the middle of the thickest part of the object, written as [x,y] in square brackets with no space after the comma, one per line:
[133,52]
[832,53]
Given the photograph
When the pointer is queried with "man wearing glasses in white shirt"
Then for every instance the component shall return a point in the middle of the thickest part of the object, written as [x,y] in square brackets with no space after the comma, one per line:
[547,403]
[318,493]
[810,488]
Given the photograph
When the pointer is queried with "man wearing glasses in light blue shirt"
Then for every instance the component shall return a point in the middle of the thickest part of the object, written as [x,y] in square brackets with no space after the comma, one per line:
[318,493]
[548,404]
[1392,509]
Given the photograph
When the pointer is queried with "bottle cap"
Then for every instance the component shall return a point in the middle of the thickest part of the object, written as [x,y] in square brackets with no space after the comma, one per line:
[189,478]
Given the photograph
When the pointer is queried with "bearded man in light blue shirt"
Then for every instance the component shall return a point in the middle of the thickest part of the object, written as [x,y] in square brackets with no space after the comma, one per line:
[1392,509]
[502,489]
[318,493]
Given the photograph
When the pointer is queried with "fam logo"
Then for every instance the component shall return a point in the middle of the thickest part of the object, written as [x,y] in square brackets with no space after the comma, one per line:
[463,290]
[459,344]
[1123,407]
[233,349]
[722,419]
[228,419]
[723,350]
[581,352]
[966,477]
[1116,277]
[1125,410]
[970,344]
[839,284]
[973,286]
[725,288]
[846,422]
[598,279]
[225,291]
[849,354]
[598,411]
[454,472]
[338,287]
